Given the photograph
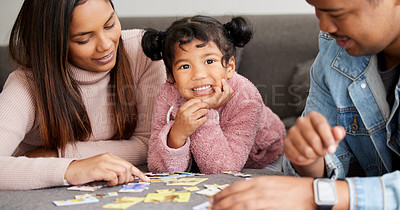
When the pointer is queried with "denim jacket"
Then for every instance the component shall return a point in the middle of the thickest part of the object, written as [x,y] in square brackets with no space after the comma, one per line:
[349,92]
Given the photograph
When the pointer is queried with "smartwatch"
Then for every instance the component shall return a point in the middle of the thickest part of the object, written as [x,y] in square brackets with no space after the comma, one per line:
[325,194]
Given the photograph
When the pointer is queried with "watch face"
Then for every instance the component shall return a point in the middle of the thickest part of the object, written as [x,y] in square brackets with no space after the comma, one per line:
[325,192]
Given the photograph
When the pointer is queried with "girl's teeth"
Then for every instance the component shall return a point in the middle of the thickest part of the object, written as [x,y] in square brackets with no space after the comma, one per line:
[202,88]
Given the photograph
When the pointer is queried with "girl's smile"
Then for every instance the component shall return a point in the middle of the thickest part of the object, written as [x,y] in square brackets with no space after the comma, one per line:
[204,90]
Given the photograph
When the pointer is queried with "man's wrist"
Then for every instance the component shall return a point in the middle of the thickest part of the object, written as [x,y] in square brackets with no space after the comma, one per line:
[315,169]
[343,195]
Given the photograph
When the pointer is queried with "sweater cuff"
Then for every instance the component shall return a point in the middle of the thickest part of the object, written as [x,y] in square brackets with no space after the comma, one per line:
[212,117]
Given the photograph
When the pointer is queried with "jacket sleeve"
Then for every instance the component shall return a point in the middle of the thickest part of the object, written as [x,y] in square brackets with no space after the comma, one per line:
[149,76]
[162,158]
[224,145]
[375,192]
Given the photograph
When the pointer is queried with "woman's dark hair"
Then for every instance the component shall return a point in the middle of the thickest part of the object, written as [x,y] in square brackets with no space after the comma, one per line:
[159,45]
[39,45]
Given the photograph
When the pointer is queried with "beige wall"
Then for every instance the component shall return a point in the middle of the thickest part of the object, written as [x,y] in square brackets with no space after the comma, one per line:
[9,9]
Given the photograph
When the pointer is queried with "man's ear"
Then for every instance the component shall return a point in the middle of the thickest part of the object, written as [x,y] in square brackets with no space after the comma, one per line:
[230,69]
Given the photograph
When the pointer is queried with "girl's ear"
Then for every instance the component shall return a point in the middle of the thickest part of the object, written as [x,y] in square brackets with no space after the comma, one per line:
[230,70]
[170,79]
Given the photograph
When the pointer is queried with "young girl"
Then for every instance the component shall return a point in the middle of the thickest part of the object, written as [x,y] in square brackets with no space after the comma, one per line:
[206,115]
[75,101]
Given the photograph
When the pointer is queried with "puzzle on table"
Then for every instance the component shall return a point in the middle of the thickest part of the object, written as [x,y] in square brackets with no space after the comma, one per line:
[183,185]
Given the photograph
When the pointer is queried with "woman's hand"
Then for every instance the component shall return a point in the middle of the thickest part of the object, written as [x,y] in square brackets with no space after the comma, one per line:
[107,167]
[41,152]
[220,97]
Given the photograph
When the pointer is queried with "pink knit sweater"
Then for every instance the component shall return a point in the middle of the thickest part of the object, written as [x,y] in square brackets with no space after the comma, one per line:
[19,129]
[243,133]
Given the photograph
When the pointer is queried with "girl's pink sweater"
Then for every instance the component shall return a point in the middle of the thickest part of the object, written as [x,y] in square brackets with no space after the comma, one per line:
[243,133]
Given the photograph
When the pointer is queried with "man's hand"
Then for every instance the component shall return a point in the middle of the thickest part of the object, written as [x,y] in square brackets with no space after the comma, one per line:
[275,192]
[308,141]
[267,192]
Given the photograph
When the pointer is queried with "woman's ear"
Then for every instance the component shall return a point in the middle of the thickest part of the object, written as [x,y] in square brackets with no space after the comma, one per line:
[230,69]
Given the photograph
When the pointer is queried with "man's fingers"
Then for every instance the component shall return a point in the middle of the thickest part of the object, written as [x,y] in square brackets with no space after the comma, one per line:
[292,153]
[239,195]
[338,133]
[240,186]
[323,129]
[308,139]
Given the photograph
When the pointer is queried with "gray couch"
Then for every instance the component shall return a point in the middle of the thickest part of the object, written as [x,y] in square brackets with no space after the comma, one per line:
[276,60]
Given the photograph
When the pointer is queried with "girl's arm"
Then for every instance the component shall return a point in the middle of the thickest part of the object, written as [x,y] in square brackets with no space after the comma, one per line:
[224,144]
[162,158]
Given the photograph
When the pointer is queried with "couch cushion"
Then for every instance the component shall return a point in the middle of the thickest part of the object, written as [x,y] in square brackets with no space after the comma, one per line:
[300,85]
[280,42]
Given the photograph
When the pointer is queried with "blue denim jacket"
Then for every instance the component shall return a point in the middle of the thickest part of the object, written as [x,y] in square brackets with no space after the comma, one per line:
[349,92]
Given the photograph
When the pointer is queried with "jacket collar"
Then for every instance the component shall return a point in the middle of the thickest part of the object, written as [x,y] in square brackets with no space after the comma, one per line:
[351,66]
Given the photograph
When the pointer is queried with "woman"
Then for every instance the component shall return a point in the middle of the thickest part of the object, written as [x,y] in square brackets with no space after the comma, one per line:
[79,106]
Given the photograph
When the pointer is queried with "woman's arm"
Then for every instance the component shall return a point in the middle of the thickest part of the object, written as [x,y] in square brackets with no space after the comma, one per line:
[17,114]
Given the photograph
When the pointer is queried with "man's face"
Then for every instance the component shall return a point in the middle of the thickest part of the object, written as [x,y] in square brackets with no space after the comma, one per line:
[361,27]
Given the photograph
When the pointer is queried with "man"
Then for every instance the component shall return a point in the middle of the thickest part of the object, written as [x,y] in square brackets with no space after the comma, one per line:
[350,125]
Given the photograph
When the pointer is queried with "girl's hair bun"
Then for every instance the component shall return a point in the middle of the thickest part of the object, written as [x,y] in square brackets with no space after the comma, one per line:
[240,31]
[152,44]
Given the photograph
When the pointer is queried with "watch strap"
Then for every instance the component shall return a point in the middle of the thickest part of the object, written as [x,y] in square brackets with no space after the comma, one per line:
[325,207]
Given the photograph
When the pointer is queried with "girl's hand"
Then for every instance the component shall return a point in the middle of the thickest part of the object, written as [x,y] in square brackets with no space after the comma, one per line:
[103,167]
[221,97]
[189,117]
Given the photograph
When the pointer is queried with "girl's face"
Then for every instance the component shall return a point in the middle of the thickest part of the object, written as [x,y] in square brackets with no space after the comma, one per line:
[197,70]
[94,36]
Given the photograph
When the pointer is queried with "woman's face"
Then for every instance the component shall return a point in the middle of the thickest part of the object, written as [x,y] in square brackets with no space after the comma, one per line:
[94,36]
